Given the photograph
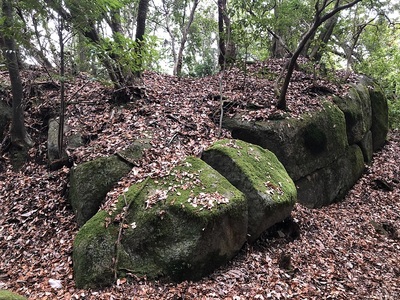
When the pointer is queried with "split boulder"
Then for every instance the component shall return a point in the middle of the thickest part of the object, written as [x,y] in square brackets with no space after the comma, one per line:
[356,106]
[257,173]
[180,227]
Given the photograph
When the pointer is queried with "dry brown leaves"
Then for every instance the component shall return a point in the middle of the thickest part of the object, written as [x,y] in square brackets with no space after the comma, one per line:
[349,250]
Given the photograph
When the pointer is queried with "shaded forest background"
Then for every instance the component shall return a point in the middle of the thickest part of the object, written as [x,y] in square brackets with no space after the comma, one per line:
[114,41]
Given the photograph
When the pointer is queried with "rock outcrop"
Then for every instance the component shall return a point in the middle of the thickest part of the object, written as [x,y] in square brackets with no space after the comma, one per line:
[380,117]
[357,110]
[185,225]
[317,148]
[179,227]
[331,183]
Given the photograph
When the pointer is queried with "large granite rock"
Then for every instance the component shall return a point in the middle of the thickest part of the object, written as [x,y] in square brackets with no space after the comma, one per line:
[302,145]
[180,227]
[91,181]
[356,107]
[331,183]
[257,173]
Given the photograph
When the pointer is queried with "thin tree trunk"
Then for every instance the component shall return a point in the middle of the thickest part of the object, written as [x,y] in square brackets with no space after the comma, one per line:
[39,54]
[140,31]
[18,131]
[318,20]
[221,33]
[278,45]
[167,15]
[60,139]
[178,63]
[323,39]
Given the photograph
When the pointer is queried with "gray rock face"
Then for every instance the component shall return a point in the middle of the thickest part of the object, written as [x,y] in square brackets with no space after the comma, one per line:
[331,183]
[55,160]
[315,148]
[179,227]
[258,174]
[367,147]
[91,181]
[5,118]
[301,145]
[356,107]
[380,118]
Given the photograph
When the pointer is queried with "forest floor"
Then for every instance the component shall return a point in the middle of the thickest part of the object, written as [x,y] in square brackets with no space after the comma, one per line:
[348,250]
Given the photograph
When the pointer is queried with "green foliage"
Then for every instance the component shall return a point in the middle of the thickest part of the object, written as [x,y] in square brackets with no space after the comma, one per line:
[206,66]
[201,54]
[93,10]
[252,21]
[135,56]
[394,113]
[381,61]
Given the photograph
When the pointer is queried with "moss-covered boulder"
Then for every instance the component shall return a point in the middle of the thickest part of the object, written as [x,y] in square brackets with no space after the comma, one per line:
[180,227]
[7,295]
[91,181]
[304,144]
[356,107]
[258,174]
[331,183]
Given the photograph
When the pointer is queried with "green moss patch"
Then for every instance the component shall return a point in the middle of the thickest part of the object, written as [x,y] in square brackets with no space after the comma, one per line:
[7,295]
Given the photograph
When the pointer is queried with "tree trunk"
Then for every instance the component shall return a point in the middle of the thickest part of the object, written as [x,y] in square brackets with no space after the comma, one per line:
[167,16]
[178,63]
[20,140]
[221,33]
[227,48]
[323,39]
[140,31]
[278,45]
[319,19]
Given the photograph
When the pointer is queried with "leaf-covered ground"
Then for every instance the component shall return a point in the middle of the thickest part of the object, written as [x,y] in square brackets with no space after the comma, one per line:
[349,250]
